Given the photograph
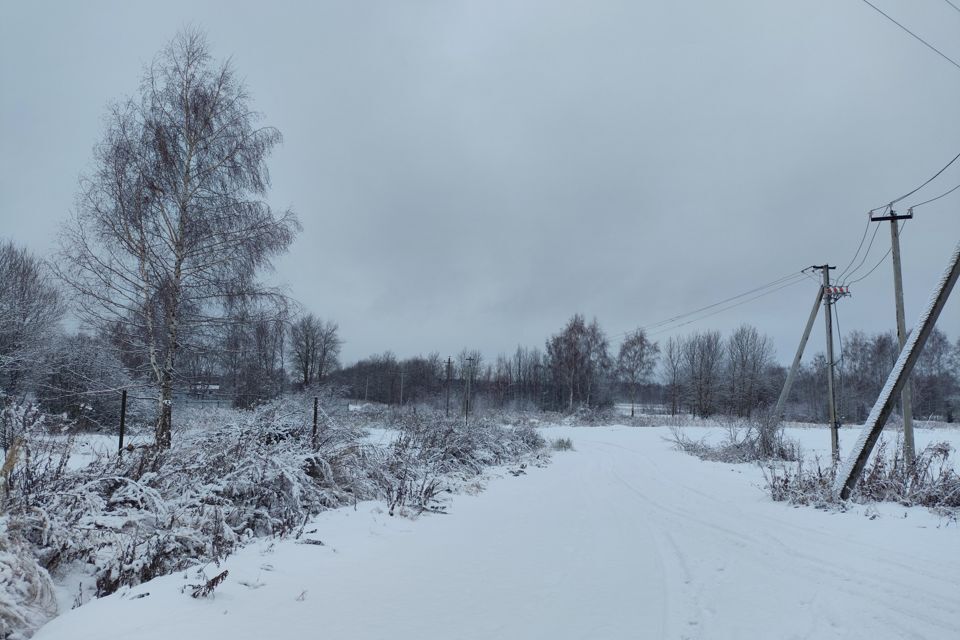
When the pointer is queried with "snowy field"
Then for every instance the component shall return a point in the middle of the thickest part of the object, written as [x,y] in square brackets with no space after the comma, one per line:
[815,439]
[621,538]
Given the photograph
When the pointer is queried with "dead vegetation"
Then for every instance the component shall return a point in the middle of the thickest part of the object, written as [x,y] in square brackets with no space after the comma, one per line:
[756,440]
[233,477]
[931,482]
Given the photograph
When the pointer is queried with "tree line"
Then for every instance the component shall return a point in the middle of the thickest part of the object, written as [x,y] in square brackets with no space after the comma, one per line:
[703,373]
[164,261]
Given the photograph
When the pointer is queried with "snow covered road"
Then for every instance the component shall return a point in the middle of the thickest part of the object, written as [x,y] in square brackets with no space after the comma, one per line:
[621,538]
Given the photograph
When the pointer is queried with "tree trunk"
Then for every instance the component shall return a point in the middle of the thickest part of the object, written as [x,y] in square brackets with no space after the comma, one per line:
[165,417]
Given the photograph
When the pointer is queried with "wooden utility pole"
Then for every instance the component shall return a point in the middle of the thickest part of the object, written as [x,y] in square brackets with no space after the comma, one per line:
[831,392]
[401,387]
[466,396]
[848,475]
[449,371]
[906,396]
[792,374]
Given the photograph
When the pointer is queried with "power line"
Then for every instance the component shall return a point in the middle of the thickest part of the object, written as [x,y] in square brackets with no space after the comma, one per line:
[665,329]
[866,228]
[928,181]
[955,7]
[928,45]
[866,254]
[811,277]
[881,261]
[942,195]
[715,304]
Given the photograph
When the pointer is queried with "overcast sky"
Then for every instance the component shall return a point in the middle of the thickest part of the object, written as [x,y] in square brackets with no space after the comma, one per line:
[473,173]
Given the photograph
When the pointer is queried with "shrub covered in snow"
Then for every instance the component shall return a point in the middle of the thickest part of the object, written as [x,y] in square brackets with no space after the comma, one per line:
[231,477]
[432,452]
[745,441]
[26,590]
[931,482]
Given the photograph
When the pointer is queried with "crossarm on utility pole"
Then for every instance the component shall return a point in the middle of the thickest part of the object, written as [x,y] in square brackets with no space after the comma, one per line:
[785,392]
[852,467]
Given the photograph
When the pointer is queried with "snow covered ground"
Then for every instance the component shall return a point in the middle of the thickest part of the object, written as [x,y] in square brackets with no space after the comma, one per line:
[621,538]
[89,447]
[814,439]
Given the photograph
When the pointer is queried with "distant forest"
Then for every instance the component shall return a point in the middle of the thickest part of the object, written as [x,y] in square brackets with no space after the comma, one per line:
[258,353]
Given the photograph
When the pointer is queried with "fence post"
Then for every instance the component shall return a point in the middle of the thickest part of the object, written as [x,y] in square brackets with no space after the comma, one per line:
[123,419]
[315,406]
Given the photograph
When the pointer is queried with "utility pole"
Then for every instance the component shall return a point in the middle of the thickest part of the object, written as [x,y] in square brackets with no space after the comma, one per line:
[401,387]
[848,475]
[466,397]
[906,397]
[785,392]
[831,394]
[449,370]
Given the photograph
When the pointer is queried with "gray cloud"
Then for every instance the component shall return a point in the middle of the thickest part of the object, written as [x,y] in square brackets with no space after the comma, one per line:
[473,173]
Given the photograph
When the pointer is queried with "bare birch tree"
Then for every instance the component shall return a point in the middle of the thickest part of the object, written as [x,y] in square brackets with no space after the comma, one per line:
[749,353]
[702,359]
[328,349]
[316,348]
[672,362]
[30,308]
[636,361]
[579,360]
[171,224]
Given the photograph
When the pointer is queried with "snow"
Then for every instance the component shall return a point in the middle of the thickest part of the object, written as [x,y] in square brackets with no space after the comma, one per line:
[621,538]
[89,447]
[814,439]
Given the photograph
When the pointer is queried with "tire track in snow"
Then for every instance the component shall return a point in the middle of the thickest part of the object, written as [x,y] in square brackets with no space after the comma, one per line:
[641,536]
[767,550]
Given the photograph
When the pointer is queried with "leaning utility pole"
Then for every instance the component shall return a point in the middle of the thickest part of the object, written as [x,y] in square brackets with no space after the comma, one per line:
[906,397]
[848,475]
[831,393]
[785,392]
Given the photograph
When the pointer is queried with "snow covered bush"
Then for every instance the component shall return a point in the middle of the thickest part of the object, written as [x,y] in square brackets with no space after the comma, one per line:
[26,590]
[932,481]
[231,477]
[32,456]
[745,441]
[433,453]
